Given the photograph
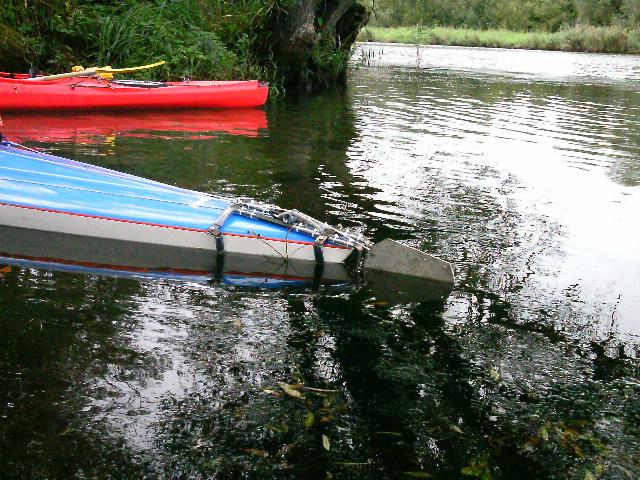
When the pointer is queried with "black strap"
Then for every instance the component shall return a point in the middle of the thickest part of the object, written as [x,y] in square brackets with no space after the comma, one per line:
[317,249]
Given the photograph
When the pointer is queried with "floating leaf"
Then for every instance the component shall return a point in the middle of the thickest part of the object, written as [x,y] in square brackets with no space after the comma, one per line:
[456,429]
[543,433]
[290,390]
[589,476]
[325,442]
[310,420]
[579,452]
[257,452]
[495,376]
[395,434]
[320,390]
[417,474]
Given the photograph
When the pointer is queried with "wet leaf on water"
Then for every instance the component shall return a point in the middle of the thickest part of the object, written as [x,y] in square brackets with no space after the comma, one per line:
[456,429]
[395,434]
[309,420]
[271,392]
[417,474]
[478,468]
[4,269]
[589,476]
[68,430]
[256,452]
[543,433]
[495,376]
[579,452]
[290,390]
[286,448]
[325,442]
[320,390]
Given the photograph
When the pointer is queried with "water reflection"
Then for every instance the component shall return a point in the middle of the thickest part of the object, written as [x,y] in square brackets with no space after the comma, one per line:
[524,178]
[528,370]
[514,64]
[92,128]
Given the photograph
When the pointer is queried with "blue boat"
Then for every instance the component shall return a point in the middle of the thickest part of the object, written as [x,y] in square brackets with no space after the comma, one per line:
[43,192]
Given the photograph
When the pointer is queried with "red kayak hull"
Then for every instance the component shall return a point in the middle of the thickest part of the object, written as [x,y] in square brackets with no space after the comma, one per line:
[83,93]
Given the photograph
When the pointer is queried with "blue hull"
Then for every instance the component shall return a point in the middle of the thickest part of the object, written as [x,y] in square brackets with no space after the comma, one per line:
[45,192]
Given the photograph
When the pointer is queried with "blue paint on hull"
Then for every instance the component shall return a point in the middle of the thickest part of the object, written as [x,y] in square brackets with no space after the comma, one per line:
[46,182]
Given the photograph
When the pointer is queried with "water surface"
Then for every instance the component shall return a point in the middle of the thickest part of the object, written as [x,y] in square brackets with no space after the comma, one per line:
[521,168]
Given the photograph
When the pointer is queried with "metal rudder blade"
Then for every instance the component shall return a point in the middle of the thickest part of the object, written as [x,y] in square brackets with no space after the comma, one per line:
[391,256]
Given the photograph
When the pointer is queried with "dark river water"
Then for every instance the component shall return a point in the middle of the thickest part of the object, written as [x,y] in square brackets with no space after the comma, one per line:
[520,168]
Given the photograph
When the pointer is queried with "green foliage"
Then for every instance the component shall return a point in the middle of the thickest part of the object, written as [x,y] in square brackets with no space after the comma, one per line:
[218,39]
[197,38]
[138,33]
[631,12]
[597,12]
[518,15]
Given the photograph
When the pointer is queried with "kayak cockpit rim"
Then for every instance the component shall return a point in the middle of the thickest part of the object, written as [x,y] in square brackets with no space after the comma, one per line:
[322,233]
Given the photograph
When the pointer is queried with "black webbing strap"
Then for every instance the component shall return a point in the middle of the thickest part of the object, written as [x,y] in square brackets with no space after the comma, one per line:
[317,248]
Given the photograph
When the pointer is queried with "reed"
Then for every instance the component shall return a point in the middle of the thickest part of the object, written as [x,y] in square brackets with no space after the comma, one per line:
[612,39]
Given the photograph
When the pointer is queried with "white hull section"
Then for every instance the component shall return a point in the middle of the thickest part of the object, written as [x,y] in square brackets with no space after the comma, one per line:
[75,224]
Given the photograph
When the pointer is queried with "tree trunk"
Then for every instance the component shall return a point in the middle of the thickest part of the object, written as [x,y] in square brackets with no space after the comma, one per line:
[313,48]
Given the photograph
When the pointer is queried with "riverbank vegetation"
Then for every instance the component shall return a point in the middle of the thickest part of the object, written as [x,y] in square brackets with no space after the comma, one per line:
[293,43]
[577,39]
[611,26]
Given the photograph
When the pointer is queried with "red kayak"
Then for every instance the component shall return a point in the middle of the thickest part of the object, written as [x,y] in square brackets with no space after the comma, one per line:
[81,93]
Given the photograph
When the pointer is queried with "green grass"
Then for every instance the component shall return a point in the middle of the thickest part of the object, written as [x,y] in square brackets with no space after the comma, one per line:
[577,39]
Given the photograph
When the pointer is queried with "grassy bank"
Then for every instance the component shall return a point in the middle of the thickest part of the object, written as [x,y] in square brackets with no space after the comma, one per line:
[578,39]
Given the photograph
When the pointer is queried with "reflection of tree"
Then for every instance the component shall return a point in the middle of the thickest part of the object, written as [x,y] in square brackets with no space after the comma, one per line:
[60,332]
[446,409]
[406,392]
